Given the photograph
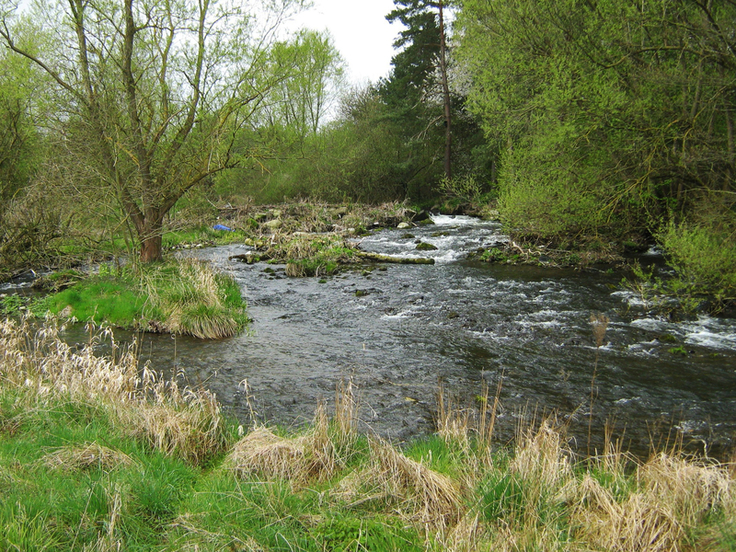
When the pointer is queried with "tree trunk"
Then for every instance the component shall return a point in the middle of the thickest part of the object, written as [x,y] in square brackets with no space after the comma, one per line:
[445,93]
[150,238]
[151,249]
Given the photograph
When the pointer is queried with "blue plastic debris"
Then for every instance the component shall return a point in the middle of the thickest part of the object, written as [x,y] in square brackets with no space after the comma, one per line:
[222,227]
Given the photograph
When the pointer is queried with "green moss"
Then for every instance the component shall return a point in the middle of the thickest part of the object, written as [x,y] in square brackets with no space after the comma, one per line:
[114,301]
[424,246]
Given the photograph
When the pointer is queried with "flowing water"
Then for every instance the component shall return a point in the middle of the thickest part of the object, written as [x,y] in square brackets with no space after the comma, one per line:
[398,330]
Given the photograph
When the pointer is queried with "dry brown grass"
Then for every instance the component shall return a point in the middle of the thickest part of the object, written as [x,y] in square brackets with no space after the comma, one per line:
[541,456]
[263,453]
[414,492]
[89,456]
[185,422]
[691,489]
[453,423]
[635,524]
[317,455]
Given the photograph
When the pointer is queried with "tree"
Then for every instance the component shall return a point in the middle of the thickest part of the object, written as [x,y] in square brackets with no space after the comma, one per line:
[150,93]
[18,135]
[309,71]
[426,105]
[613,116]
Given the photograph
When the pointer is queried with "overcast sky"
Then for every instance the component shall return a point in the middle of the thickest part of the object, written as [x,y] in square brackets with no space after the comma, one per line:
[360,33]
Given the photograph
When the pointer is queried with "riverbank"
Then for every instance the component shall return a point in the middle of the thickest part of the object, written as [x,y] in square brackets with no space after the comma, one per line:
[97,455]
[183,297]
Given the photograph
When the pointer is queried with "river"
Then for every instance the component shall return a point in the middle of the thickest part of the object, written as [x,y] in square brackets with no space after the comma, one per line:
[466,324]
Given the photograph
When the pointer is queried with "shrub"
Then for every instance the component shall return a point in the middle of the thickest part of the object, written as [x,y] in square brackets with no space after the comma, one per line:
[704,257]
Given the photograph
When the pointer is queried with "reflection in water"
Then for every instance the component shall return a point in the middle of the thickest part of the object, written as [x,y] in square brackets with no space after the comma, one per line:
[465,323]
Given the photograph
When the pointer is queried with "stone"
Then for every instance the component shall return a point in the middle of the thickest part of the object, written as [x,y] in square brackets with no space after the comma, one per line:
[274,224]
[420,216]
[403,225]
[423,246]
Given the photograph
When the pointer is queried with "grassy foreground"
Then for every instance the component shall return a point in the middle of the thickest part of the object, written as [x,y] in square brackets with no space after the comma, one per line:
[99,454]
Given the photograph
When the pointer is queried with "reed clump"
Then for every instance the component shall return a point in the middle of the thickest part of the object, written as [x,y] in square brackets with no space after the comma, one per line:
[316,455]
[86,457]
[44,369]
[190,298]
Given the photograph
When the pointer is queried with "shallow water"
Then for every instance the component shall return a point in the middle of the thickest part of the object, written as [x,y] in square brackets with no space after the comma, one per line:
[465,323]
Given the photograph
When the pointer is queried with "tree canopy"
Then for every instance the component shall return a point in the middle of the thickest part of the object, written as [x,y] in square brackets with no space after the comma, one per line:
[611,115]
[150,94]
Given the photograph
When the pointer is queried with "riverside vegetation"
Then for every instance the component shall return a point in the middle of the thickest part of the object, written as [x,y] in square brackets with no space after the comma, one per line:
[99,453]
[183,297]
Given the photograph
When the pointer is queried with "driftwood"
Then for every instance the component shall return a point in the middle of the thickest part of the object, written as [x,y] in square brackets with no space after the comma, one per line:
[389,259]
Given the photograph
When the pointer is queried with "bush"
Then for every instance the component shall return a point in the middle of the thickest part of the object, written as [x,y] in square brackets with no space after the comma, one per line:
[704,257]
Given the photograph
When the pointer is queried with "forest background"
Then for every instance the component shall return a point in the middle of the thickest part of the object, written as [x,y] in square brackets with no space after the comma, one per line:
[598,123]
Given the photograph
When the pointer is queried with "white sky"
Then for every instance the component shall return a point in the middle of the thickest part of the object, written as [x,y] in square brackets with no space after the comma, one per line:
[360,33]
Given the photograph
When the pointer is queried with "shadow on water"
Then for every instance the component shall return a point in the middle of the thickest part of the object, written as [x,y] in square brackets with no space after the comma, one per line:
[466,323]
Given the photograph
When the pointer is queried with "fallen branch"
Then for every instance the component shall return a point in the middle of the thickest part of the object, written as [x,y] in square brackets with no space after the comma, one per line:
[388,259]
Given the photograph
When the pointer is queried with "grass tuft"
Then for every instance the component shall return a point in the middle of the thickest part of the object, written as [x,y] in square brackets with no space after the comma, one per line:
[86,457]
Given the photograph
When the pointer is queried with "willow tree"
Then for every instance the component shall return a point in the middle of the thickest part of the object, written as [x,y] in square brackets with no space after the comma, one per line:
[150,92]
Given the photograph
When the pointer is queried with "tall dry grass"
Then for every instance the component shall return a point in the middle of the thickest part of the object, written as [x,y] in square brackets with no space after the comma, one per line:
[43,368]
[612,502]
[316,455]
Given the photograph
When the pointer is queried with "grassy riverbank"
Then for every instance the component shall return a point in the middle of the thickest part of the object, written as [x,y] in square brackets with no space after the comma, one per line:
[96,454]
[185,297]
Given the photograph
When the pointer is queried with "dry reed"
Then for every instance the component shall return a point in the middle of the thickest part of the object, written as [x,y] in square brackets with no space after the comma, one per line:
[636,524]
[186,422]
[453,424]
[540,455]
[599,323]
[318,455]
[419,493]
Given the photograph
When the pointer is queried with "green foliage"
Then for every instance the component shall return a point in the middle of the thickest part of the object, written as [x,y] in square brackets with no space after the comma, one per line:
[308,73]
[465,188]
[705,258]
[605,125]
[11,305]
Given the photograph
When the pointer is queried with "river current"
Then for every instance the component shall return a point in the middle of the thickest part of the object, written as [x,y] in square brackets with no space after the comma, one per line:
[398,330]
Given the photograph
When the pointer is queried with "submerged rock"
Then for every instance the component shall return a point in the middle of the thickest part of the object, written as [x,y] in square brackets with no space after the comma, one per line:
[424,246]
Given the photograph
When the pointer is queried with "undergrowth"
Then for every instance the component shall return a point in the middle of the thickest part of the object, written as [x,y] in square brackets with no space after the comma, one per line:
[99,453]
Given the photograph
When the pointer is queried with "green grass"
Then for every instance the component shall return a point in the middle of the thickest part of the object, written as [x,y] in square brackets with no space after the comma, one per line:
[103,299]
[202,235]
[184,297]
